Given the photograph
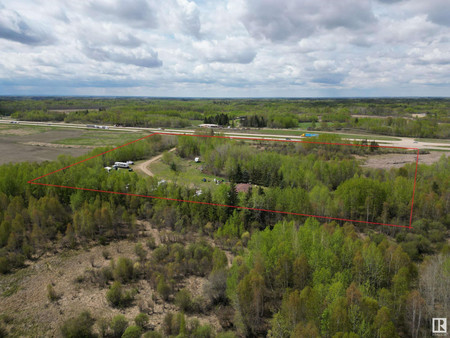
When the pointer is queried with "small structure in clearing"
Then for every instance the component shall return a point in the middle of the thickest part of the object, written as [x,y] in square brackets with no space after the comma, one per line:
[243,187]
[209,125]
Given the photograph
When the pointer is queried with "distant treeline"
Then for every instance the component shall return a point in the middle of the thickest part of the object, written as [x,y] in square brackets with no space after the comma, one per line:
[396,115]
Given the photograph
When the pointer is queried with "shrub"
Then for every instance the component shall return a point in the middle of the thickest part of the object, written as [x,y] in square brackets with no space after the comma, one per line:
[79,279]
[140,252]
[174,324]
[220,260]
[117,297]
[198,304]
[132,331]
[103,325]
[204,331]
[123,270]
[80,326]
[3,332]
[106,254]
[151,244]
[118,325]
[216,286]
[106,274]
[4,265]
[51,293]
[114,294]
[184,300]
[163,288]
[226,335]
[152,334]
[167,324]
[160,253]
[141,320]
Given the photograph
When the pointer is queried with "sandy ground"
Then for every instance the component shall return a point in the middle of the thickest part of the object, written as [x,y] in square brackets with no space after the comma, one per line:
[144,166]
[31,309]
[387,161]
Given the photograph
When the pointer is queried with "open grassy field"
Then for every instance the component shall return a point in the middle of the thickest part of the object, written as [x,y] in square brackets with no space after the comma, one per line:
[21,130]
[101,138]
[299,132]
[20,143]
[34,144]
[188,173]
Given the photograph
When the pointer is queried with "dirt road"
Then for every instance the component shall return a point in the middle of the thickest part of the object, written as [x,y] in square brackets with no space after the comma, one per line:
[144,165]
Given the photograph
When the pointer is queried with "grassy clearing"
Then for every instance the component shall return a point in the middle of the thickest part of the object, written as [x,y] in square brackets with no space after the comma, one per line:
[196,123]
[11,289]
[20,130]
[299,132]
[11,283]
[304,125]
[187,173]
[102,138]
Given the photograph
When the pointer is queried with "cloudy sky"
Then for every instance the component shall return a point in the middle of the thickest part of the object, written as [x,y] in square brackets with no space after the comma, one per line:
[225,48]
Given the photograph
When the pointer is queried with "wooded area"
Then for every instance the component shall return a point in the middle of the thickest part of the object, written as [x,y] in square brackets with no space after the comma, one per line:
[398,117]
[290,276]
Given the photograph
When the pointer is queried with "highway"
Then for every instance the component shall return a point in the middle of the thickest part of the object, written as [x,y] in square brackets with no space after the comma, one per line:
[405,142]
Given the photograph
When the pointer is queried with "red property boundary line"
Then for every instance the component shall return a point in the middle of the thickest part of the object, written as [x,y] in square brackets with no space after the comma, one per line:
[233,206]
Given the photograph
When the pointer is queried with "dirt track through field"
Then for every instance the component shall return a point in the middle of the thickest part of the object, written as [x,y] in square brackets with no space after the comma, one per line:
[144,165]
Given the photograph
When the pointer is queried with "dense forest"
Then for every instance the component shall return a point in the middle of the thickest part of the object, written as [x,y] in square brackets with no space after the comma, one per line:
[291,276]
[399,117]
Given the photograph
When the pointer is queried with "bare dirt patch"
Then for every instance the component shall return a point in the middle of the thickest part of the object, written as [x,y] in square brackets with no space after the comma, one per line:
[387,161]
[144,166]
[33,314]
[56,145]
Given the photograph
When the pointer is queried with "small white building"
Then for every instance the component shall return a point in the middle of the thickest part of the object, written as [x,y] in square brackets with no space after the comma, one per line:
[208,125]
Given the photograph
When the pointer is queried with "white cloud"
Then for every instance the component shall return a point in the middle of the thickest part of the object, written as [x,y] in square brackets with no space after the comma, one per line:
[14,27]
[225,47]
[230,50]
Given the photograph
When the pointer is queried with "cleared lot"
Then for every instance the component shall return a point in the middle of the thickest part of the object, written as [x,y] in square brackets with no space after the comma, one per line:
[27,144]
[387,161]
[20,143]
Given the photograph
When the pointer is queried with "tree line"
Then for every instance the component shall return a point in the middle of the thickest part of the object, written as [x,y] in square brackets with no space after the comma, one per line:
[383,116]
[291,276]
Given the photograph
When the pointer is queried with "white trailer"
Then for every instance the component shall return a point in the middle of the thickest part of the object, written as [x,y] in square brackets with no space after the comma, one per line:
[121,165]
